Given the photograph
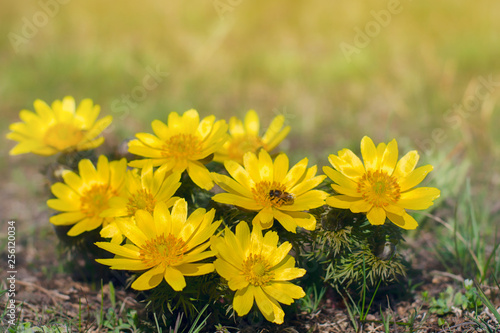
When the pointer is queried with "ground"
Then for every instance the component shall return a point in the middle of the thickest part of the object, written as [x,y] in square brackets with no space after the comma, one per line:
[47,294]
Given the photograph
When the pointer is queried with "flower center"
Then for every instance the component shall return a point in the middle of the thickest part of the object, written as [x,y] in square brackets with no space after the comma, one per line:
[241,145]
[272,194]
[182,146]
[62,136]
[379,189]
[162,250]
[95,199]
[142,199]
[257,270]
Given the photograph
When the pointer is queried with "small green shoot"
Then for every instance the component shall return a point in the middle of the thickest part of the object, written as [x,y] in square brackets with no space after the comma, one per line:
[311,302]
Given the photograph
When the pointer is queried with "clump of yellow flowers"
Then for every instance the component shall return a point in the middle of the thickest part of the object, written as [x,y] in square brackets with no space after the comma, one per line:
[207,204]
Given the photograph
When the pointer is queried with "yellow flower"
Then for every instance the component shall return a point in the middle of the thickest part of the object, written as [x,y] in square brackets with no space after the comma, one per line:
[272,190]
[166,245]
[245,137]
[383,187]
[257,269]
[182,145]
[142,192]
[60,128]
[82,198]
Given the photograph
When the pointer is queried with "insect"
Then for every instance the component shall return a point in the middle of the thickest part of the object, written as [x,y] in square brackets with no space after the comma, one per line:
[282,197]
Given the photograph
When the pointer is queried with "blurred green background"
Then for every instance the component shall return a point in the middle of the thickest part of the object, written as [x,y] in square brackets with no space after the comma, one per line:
[424,72]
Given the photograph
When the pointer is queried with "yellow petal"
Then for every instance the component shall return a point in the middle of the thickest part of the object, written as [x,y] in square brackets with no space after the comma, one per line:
[281,165]
[274,129]
[251,164]
[190,121]
[285,274]
[174,123]
[360,206]
[243,235]
[405,221]
[206,126]
[230,185]
[239,174]
[418,198]
[110,231]
[311,199]
[286,289]
[341,201]
[74,181]
[130,230]
[200,175]
[269,308]
[339,178]
[174,278]
[264,218]
[161,217]
[103,169]
[243,300]
[295,173]
[274,135]
[124,264]
[394,209]
[85,225]
[236,128]
[414,178]
[406,164]
[64,192]
[66,218]
[88,173]
[252,124]
[144,222]
[369,153]
[306,185]
[231,254]
[304,220]
[287,221]
[390,157]
[376,216]
[266,166]
[149,279]
[160,129]
[278,294]
[44,111]
[345,190]
[270,243]
[118,250]
[87,113]
[195,269]
[355,166]
[237,200]
[230,272]
[179,212]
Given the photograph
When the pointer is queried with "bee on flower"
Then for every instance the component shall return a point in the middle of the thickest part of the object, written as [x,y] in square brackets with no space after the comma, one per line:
[381,187]
[60,128]
[272,190]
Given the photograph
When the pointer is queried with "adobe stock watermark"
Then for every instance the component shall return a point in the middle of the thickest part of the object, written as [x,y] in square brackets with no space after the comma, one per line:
[223,7]
[31,25]
[122,106]
[459,113]
[363,37]
[288,116]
